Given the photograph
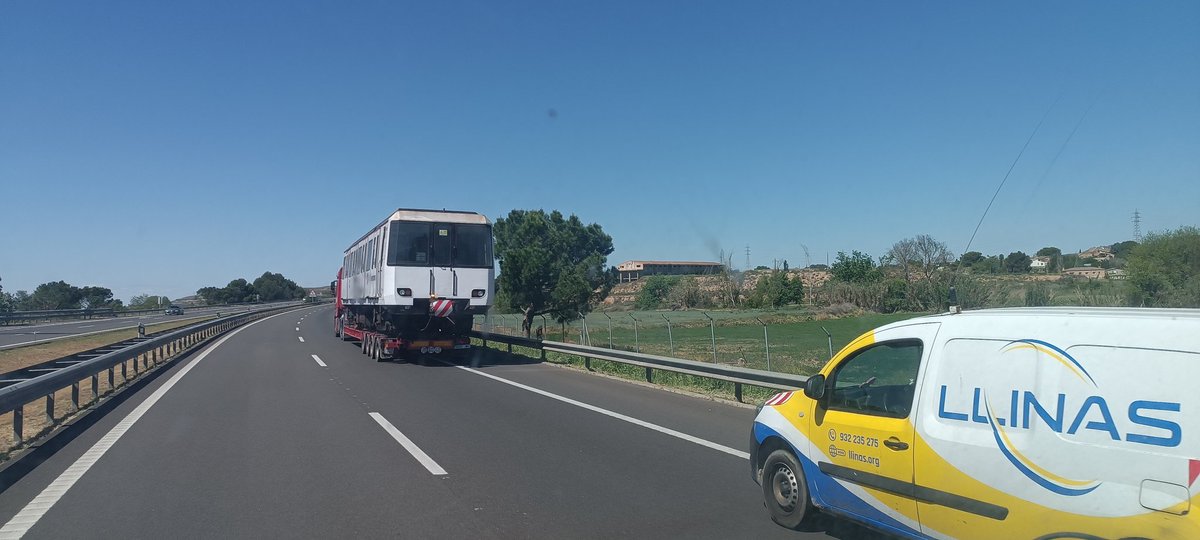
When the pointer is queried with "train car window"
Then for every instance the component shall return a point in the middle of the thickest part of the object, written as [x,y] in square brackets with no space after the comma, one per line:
[442,244]
[473,246]
[408,244]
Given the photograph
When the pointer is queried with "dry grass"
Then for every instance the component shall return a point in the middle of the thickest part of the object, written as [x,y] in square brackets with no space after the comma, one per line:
[37,419]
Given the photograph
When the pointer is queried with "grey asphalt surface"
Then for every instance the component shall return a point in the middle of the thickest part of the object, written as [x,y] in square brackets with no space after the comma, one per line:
[258,440]
[16,334]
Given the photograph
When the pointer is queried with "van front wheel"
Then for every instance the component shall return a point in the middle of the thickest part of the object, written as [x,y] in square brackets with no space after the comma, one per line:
[785,490]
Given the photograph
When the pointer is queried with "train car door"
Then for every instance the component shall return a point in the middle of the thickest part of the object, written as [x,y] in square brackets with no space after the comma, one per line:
[442,249]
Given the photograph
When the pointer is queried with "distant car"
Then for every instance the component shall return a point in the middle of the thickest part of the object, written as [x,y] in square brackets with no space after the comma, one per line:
[173,310]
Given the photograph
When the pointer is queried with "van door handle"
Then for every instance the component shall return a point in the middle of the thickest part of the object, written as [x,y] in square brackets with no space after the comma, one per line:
[895,444]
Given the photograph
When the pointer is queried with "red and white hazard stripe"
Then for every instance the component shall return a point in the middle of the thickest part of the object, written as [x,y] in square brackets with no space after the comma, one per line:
[779,399]
[441,308]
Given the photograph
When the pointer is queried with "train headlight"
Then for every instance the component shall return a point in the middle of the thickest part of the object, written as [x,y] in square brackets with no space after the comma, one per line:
[404,292]
[478,293]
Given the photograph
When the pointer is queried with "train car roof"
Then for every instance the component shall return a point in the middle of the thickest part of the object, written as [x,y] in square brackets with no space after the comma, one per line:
[431,216]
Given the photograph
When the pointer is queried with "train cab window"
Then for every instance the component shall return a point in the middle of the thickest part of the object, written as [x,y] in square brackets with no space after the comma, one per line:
[408,244]
[442,245]
[473,246]
[879,380]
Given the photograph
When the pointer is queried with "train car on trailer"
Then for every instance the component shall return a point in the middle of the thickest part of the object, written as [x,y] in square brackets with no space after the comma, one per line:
[415,282]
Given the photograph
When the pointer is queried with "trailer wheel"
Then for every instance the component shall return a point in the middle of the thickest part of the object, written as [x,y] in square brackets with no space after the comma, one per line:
[362,344]
[379,356]
[785,490]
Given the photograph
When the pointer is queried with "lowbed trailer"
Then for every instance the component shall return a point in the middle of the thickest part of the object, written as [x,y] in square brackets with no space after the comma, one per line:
[382,347]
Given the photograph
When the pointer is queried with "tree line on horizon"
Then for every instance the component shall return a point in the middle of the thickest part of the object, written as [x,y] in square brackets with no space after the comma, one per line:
[52,295]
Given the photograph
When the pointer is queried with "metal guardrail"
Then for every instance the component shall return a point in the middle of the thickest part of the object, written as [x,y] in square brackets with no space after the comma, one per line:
[737,375]
[153,351]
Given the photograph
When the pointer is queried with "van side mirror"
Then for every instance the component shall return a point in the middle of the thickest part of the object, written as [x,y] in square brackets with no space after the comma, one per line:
[814,387]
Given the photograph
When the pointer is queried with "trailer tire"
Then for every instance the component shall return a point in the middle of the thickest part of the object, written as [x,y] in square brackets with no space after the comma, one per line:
[379,357]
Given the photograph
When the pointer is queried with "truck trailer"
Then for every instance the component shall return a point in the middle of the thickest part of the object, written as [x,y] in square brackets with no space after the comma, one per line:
[414,283]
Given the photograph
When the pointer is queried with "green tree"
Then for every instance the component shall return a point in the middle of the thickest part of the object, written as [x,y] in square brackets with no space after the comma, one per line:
[654,292]
[97,298]
[238,291]
[686,294]
[550,264]
[857,267]
[1165,269]
[1122,250]
[1049,252]
[55,295]
[970,258]
[6,301]
[273,287]
[211,295]
[1017,262]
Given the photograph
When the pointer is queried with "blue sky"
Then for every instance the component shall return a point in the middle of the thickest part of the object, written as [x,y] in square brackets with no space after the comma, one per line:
[157,147]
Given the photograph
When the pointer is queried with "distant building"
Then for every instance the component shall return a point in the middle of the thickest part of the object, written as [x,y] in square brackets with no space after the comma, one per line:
[635,270]
[1039,263]
[1117,273]
[1100,253]
[1090,272]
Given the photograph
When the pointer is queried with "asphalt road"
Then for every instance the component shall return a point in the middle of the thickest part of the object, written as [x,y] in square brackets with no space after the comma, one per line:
[255,438]
[16,335]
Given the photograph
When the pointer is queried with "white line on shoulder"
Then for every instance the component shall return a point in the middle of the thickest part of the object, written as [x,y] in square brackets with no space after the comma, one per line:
[648,425]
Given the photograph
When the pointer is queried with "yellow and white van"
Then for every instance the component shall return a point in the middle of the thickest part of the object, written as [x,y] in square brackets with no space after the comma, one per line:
[1006,423]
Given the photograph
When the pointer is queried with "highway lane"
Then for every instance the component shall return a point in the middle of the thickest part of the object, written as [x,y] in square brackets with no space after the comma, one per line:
[17,335]
[290,448]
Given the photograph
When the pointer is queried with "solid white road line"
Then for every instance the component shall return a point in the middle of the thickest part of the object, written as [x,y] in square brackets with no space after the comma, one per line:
[301,338]
[86,326]
[32,512]
[412,448]
[319,362]
[678,434]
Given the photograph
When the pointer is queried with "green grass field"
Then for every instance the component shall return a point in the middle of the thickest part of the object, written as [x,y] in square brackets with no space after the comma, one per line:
[798,345]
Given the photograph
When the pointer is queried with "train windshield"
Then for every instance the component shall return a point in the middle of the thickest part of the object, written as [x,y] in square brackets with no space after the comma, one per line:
[426,244]
[408,244]
[472,245]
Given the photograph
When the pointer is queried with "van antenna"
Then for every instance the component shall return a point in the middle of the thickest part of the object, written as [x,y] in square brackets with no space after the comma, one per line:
[954,307]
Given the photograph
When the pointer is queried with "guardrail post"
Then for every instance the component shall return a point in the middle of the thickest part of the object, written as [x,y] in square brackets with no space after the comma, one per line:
[50,409]
[136,370]
[587,362]
[74,397]
[124,374]
[111,380]
[649,375]
[637,346]
[609,329]
[766,342]
[737,391]
[510,348]
[18,425]
[670,335]
[712,328]
[543,354]
[95,386]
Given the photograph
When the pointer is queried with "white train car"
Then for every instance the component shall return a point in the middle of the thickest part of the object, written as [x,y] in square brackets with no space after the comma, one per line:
[418,273]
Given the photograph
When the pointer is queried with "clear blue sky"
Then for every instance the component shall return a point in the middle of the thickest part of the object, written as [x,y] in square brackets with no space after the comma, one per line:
[157,147]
